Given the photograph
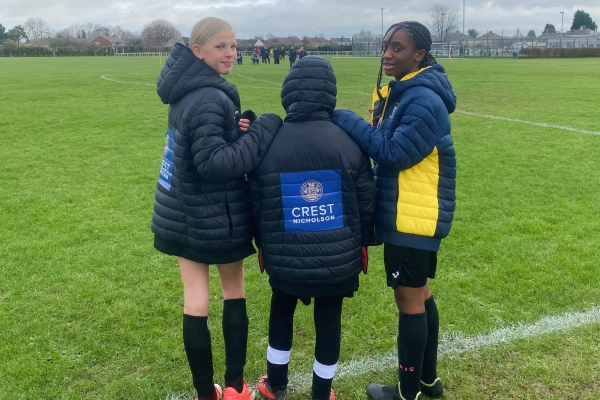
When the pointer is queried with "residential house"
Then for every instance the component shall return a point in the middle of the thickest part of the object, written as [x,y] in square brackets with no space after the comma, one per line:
[340,42]
[315,43]
[107,41]
[289,41]
[40,42]
[457,38]
[491,40]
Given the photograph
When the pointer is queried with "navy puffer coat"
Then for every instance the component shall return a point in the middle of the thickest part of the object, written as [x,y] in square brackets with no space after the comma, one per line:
[415,157]
[313,194]
[201,210]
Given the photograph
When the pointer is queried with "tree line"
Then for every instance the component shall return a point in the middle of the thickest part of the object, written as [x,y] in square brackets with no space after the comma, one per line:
[154,36]
[157,34]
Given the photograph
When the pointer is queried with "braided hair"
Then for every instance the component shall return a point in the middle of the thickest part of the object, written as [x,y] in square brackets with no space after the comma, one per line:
[421,38]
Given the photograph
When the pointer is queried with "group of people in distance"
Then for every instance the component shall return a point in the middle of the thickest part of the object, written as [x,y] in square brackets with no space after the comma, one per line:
[314,206]
[278,54]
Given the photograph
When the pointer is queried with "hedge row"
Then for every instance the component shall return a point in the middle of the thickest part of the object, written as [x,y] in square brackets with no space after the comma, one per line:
[551,52]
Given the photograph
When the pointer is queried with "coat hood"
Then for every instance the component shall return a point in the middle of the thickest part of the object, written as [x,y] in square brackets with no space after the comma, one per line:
[434,78]
[309,90]
[184,72]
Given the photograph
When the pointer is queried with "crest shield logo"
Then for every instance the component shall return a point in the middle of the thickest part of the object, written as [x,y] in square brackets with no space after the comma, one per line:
[311,191]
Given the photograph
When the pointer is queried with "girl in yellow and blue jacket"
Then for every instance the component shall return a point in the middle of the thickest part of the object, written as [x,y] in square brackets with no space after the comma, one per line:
[409,140]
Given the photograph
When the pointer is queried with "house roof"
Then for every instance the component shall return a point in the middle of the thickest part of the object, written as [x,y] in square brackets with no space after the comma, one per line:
[456,36]
[111,39]
[40,42]
[490,35]
[341,40]
[317,40]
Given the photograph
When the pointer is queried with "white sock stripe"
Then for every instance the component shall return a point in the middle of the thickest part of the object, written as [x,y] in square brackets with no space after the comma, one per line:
[324,371]
[278,357]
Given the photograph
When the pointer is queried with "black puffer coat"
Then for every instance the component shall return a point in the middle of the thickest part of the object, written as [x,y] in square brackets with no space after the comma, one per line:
[313,194]
[201,210]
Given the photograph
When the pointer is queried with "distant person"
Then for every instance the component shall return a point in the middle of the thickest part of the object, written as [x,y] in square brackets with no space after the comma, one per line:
[302,53]
[239,58]
[276,56]
[415,171]
[255,57]
[282,53]
[313,198]
[201,215]
[293,55]
[467,52]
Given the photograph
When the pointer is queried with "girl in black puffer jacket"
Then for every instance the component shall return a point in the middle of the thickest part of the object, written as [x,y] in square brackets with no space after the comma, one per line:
[313,199]
[201,213]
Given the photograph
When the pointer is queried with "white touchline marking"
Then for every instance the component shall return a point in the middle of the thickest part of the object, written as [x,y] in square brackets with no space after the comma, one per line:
[455,345]
[448,347]
[131,83]
[563,127]
[255,79]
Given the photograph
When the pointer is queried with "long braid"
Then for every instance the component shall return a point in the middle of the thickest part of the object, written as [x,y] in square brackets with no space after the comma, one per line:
[383,49]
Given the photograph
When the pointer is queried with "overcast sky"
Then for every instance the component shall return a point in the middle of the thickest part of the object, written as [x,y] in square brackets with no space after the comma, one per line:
[331,18]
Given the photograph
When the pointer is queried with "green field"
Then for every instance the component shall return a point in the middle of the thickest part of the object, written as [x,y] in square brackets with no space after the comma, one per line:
[88,309]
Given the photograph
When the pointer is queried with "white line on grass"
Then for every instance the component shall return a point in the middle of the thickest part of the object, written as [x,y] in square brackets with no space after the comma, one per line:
[131,83]
[455,345]
[448,347]
[563,127]
[261,80]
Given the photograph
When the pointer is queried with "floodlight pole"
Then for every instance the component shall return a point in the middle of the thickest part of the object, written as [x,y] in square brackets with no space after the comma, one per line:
[562,17]
[382,24]
[463,38]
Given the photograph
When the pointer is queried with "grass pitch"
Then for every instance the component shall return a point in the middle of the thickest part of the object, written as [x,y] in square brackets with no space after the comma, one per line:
[88,309]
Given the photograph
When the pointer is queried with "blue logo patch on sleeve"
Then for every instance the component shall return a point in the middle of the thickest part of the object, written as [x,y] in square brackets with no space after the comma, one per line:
[312,200]
[166,168]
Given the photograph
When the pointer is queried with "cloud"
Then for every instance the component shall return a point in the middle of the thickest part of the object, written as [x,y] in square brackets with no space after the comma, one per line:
[294,17]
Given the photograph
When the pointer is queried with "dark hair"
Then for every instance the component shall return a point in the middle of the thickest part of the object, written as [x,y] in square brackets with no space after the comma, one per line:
[421,38]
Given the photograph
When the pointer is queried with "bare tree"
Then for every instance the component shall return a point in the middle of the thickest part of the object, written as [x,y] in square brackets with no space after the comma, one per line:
[444,21]
[72,31]
[270,36]
[364,34]
[36,28]
[86,30]
[117,31]
[158,33]
[100,30]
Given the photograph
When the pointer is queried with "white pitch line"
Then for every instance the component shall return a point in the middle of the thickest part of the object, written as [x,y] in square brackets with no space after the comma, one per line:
[455,345]
[105,77]
[563,127]
[256,79]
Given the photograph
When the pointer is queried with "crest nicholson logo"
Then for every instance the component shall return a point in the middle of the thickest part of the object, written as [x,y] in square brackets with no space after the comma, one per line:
[311,191]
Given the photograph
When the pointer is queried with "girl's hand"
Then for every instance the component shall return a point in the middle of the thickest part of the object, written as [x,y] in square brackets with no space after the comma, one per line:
[244,124]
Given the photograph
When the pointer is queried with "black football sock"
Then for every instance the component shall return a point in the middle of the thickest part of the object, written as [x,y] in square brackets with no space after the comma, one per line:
[196,340]
[281,331]
[429,373]
[235,335]
[328,329]
[412,337]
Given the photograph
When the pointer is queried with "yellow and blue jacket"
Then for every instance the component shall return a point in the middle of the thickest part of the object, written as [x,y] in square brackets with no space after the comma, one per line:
[409,140]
